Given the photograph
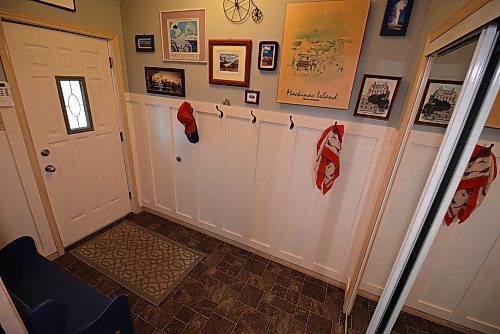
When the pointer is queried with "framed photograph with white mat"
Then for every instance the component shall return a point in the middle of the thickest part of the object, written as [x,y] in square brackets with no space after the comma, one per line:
[229,62]
[183,35]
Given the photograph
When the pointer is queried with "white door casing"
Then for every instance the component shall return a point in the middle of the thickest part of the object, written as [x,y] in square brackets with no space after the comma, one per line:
[89,188]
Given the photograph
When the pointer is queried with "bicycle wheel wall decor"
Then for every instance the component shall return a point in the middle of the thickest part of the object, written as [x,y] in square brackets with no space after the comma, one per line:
[237,11]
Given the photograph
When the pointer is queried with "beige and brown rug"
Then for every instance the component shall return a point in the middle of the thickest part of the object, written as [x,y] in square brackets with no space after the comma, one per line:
[143,261]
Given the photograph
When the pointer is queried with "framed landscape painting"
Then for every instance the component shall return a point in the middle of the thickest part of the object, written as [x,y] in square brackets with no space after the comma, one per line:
[183,35]
[320,51]
[229,62]
[438,102]
[165,81]
[376,96]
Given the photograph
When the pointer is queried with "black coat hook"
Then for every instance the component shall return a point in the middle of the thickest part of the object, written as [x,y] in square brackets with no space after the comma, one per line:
[292,124]
[220,111]
[254,118]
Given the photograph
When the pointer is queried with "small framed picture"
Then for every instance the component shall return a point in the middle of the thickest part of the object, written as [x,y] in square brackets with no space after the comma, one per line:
[62,4]
[438,102]
[396,17]
[268,55]
[145,43]
[229,62]
[376,96]
[165,81]
[252,96]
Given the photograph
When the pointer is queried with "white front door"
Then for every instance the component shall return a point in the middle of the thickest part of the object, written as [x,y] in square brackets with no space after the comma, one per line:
[77,139]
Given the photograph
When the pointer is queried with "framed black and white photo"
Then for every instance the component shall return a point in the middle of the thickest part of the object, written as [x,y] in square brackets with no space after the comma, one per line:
[62,4]
[396,17]
[252,96]
[165,81]
[229,62]
[145,43]
[268,55]
[376,96]
[438,102]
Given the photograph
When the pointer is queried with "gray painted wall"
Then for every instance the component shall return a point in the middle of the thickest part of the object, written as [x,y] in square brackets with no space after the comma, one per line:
[99,14]
[379,55]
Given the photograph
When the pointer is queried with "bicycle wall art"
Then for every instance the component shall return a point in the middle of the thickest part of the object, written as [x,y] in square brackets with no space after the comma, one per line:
[183,35]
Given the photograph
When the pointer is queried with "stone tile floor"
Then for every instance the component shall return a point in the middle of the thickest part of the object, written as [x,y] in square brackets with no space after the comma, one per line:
[236,291]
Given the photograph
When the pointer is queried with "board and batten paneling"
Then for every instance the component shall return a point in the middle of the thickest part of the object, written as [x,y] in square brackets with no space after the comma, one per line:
[459,279]
[21,208]
[254,182]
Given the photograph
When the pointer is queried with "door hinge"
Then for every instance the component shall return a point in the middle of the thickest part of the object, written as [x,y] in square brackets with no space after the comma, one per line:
[110,62]
[121,136]
[129,195]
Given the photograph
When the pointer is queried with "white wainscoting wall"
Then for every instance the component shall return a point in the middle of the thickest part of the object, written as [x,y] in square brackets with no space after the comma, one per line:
[254,183]
[460,278]
[21,209]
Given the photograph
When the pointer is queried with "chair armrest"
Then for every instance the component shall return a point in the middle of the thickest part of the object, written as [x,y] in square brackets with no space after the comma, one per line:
[17,250]
[48,317]
[115,318]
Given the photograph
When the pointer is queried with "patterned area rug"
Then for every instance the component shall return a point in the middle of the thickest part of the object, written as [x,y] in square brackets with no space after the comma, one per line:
[143,261]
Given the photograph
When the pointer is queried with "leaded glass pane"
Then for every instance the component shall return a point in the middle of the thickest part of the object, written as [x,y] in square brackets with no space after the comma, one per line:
[74,104]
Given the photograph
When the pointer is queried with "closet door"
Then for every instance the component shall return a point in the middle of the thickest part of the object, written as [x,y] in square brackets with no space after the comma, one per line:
[459,279]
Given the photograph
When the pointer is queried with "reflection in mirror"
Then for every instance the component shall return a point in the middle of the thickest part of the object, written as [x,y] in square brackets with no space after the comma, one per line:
[441,292]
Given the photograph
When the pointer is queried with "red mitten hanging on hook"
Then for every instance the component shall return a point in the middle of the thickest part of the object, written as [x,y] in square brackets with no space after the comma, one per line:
[327,166]
[472,189]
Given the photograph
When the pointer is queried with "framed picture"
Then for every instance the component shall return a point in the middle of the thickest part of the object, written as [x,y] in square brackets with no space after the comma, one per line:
[183,35]
[62,4]
[376,96]
[438,102]
[396,17]
[145,43]
[165,81]
[268,55]
[229,62]
[252,96]
[320,52]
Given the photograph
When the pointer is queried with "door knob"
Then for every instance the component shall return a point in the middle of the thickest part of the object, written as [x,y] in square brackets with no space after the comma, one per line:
[45,152]
[50,169]
[178,159]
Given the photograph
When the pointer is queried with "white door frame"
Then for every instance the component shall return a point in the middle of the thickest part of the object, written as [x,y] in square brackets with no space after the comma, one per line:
[118,84]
